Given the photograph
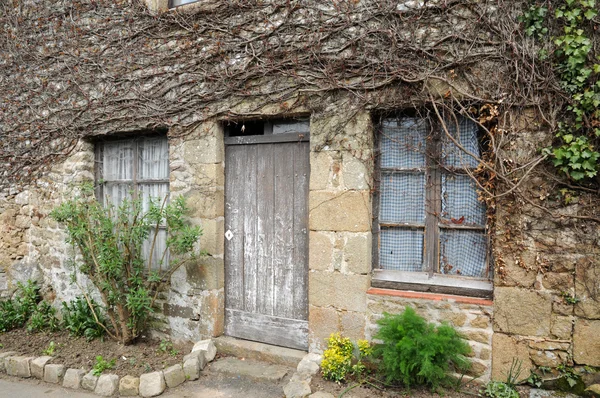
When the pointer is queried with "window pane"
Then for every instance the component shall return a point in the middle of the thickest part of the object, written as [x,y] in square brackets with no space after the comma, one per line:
[459,200]
[159,249]
[155,191]
[403,143]
[401,249]
[402,198]
[452,155]
[463,253]
[115,193]
[300,126]
[153,162]
[117,162]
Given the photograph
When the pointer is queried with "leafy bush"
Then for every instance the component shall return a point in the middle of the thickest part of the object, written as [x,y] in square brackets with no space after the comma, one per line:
[417,352]
[110,240]
[43,318]
[339,359]
[79,319]
[15,313]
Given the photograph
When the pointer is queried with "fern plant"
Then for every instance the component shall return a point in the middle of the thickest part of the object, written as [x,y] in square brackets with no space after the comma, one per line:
[415,352]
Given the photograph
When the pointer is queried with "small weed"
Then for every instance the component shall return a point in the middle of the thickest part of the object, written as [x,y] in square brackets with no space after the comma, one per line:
[167,347]
[500,389]
[569,298]
[101,365]
[50,350]
[147,368]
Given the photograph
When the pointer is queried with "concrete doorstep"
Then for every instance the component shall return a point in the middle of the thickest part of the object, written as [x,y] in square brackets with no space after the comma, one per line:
[251,369]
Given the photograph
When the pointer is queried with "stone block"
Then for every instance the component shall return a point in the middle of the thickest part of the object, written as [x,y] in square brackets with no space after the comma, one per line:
[191,368]
[174,375]
[212,317]
[477,368]
[200,355]
[129,386]
[358,254]
[353,324]
[208,203]
[37,366]
[297,389]
[480,322]
[107,386]
[522,312]
[152,384]
[457,319]
[346,211]
[505,350]
[212,239]
[320,170]
[206,273]
[53,373]
[18,366]
[309,365]
[561,282]
[3,357]
[321,394]
[89,381]
[73,378]
[322,321]
[209,175]
[586,344]
[320,251]
[561,327]
[345,292]
[355,171]
[207,149]
[209,348]
[549,359]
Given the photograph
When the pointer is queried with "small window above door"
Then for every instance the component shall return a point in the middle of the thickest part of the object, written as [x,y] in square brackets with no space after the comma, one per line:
[266,131]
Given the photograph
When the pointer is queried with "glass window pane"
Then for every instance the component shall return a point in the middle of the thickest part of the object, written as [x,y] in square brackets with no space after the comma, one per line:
[466,136]
[117,162]
[156,191]
[115,193]
[297,126]
[403,143]
[159,249]
[463,253]
[401,249]
[402,198]
[153,162]
[459,201]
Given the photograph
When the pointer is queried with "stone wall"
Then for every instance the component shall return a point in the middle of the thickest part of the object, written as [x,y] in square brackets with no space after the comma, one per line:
[470,316]
[340,226]
[32,245]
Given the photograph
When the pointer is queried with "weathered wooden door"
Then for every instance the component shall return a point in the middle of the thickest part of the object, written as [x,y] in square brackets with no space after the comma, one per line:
[266,230]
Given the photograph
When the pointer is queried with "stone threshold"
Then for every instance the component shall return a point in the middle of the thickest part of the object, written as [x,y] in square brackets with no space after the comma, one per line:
[259,351]
[430,296]
[107,385]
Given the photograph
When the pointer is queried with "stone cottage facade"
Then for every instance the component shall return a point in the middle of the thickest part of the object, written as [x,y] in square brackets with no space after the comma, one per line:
[305,231]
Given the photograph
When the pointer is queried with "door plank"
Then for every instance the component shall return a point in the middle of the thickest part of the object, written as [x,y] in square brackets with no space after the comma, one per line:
[234,218]
[283,231]
[250,214]
[264,219]
[300,230]
[285,332]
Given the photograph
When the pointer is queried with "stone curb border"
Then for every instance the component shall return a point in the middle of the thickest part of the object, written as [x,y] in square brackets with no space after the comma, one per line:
[299,384]
[108,385]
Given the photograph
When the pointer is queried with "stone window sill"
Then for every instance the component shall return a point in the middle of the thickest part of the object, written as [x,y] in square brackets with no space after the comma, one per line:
[438,284]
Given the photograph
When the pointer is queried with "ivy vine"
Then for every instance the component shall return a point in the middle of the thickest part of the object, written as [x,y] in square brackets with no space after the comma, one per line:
[575,151]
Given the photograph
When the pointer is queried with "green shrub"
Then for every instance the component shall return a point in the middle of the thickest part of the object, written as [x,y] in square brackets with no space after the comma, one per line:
[43,318]
[15,313]
[110,240]
[415,352]
[79,320]
[339,359]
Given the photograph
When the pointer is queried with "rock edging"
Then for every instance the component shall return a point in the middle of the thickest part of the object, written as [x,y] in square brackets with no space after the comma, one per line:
[147,385]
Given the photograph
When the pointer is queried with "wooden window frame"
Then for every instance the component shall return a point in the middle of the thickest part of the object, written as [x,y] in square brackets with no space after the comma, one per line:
[135,182]
[431,279]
